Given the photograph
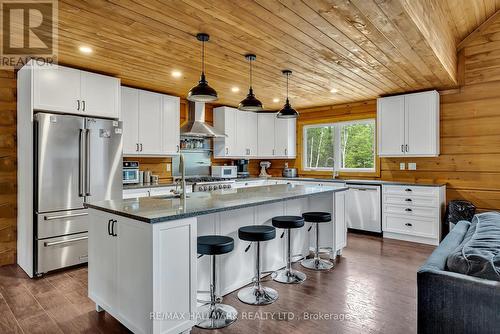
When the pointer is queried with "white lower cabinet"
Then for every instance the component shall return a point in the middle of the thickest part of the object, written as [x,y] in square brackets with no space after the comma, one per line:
[146,192]
[413,213]
[130,272]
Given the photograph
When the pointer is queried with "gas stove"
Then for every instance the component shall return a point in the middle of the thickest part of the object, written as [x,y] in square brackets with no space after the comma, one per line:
[209,183]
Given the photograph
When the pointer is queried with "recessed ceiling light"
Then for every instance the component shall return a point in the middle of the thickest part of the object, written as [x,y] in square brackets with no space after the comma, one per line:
[334,90]
[235,89]
[276,100]
[176,74]
[85,49]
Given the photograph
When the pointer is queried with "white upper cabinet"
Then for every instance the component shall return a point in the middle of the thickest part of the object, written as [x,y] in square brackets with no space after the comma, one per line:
[172,123]
[130,118]
[253,135]
[56,88]
[265,138]
[284,137]
[422,126]
[246,140]
[150,123]
[225,122]
[67,90]
[391,125]
[100,95]
[408,125]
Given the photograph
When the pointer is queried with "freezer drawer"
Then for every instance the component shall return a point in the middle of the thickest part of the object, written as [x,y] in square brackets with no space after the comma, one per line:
[60,252]
[61,223]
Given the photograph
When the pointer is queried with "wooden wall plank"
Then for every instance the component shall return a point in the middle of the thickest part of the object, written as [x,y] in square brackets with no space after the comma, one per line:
[8,167]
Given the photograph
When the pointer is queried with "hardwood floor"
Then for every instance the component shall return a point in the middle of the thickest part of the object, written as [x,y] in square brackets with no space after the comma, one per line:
[372,290]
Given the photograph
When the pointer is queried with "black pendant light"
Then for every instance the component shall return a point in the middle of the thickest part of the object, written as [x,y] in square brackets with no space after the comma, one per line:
[287,111]
[250,103]
[202,92]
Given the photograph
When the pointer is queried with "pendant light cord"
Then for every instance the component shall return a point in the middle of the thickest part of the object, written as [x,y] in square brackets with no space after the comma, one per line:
[203,57]
[287,76]
[250,73]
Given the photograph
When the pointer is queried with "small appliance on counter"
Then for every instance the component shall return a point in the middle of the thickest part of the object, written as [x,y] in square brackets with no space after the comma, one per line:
[131,172]
[263,166]
[229,172]
[242,165]
[289,172]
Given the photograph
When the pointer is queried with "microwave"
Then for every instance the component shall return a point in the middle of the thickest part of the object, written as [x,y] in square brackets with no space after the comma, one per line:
[130,172]
[225,171]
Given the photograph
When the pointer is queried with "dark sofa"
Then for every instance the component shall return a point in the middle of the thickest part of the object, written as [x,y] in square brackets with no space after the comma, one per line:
[449,302]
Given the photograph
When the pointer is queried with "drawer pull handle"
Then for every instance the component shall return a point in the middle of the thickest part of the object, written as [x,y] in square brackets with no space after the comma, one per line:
[408,224]
[408,210]
[55,243]
[408,199]
[65,216]
[408,189]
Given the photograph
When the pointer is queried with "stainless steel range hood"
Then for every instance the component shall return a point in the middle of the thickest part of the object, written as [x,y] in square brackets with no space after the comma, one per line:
[196,126]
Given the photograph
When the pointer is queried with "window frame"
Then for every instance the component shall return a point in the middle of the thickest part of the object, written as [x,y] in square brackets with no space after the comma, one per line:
[337,148]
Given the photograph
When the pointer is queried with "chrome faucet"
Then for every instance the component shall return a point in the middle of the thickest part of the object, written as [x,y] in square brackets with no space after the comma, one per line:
[182,166]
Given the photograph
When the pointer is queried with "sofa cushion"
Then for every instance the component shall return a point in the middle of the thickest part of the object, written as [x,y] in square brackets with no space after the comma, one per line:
[479,253]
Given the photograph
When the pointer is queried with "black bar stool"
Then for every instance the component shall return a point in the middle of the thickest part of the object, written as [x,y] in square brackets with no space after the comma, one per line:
[257,294]
[215,315]
[288,275]
[316,263]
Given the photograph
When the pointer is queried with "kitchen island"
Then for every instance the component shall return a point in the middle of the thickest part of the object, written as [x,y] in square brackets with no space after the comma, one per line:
[143,265]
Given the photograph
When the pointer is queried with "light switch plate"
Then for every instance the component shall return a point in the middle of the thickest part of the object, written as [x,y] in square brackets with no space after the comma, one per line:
[402,166]
[412,166]
[169,167]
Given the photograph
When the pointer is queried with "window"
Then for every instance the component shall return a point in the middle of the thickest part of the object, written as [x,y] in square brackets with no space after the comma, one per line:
[349,146]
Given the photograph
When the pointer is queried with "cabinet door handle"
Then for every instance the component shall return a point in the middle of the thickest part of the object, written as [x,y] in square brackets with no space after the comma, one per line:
[406,147]
[77,104]
[408,224]
[113,228]
[227,151]
[273,151]
[83,103]
[137,147]
[408,210]
[286,151]
[408,189]
[109,226]
[408,199]
[141,146]
[402,148]
[178,149]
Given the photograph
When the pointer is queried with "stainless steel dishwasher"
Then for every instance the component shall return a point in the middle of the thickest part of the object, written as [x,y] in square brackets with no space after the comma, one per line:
[363,205]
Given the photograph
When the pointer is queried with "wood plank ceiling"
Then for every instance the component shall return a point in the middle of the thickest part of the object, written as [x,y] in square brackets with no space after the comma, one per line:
[360,48]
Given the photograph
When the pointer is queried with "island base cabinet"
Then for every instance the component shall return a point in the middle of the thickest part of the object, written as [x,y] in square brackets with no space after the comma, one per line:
[130,272]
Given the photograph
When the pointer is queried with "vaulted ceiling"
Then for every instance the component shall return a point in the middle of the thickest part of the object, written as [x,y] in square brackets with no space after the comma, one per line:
[360,48]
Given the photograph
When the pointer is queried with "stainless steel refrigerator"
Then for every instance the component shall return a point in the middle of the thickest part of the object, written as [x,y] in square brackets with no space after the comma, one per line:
[77,160]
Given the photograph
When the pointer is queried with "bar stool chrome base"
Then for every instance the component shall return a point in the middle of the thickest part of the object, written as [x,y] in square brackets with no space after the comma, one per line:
[288,276]
[317,264]
[254,295]
[216,316]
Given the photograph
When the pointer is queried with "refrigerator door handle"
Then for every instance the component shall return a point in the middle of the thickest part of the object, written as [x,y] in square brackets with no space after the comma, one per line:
[87,163]
[81,168]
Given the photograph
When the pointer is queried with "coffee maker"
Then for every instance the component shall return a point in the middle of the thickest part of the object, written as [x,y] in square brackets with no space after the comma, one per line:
[242,165]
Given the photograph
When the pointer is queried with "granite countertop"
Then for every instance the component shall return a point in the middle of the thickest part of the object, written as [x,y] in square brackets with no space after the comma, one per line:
[160,209]
[347,181]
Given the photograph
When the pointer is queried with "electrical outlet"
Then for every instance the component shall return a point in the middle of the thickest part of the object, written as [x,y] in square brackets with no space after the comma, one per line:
[402,166]
[169,167]
[412,166]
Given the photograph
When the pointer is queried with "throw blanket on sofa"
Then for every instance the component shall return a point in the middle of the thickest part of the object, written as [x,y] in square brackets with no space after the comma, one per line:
[479,253]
